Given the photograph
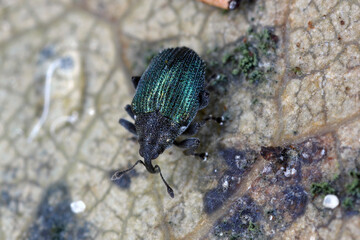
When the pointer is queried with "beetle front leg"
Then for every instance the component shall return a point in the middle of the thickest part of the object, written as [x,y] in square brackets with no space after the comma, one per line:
[135,80]
[128,126]
[129,111]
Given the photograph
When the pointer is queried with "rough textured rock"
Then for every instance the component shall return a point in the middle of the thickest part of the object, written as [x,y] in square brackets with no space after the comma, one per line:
[285,75]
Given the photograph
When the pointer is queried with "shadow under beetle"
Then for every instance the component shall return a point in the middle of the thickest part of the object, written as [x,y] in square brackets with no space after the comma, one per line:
[168,96]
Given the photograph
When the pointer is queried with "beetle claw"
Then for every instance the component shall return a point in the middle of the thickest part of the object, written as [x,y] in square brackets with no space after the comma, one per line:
[219,120]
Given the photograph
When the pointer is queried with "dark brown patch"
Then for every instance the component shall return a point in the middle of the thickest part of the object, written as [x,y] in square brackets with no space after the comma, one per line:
[292,201]
[272,153]
[312,150]
[239,162]
[310,25]
[241,221]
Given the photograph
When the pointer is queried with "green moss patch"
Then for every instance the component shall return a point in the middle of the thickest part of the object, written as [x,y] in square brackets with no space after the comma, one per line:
[250,58]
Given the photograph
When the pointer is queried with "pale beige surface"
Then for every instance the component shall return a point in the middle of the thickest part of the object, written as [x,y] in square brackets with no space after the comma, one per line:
[107,41]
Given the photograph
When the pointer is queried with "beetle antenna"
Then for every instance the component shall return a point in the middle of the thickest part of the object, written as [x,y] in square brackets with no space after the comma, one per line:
[118,174]
[169,189]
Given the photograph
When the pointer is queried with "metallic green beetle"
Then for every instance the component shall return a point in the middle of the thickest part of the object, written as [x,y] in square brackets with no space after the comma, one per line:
[168,96]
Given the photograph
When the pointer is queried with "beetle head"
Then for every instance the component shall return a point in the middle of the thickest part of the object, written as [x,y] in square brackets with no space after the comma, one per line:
[154,144]
[155,134]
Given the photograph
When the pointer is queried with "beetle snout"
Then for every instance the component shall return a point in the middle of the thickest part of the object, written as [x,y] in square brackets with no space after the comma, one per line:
[148,152]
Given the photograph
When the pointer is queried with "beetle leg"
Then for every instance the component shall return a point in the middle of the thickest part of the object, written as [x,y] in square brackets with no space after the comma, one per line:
[128,126]
[193,128]
[191,144]
[135,80]
[203,155]
[129,111]
[219,120]
[204,99]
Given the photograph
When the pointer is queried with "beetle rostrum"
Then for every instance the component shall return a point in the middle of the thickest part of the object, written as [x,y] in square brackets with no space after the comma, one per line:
[168,96]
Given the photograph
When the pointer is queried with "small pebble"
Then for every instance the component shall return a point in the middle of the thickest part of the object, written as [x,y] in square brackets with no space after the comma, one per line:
[331,201]
[77,207]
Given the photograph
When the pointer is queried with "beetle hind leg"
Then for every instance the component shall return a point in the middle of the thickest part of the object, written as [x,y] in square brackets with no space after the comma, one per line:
[219,120]
[191,144]
[193,128]
[204,99]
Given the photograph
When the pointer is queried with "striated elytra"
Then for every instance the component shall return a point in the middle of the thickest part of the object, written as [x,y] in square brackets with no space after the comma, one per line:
[168,96]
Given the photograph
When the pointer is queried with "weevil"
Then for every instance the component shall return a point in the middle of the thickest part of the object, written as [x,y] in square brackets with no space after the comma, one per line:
[168,96]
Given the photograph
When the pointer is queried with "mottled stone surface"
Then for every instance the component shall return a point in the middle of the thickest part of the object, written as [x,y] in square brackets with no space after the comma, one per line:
[285,75]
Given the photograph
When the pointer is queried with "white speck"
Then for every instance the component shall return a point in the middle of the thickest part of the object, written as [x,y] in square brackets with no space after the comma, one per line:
[322,152]
[308,144]
[91,111]
[237,157]
[205,157]
[271,217]
[289,172]
[331,201]
[73,118]
[215,170]
[266,169]
[183,128]
[225,184]
[305,155]
[77,207]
